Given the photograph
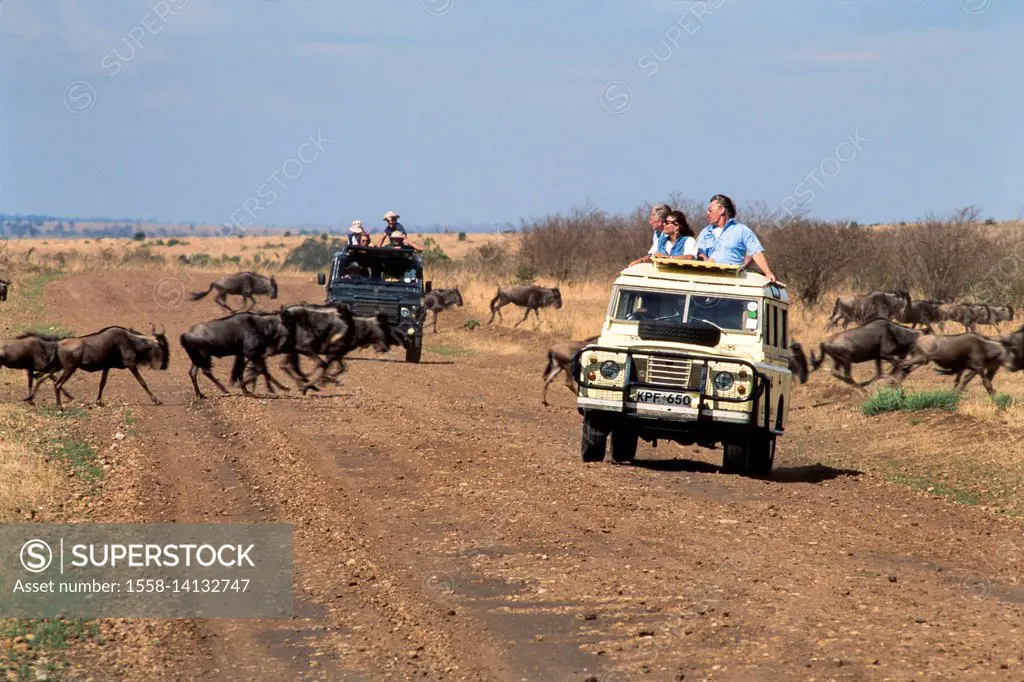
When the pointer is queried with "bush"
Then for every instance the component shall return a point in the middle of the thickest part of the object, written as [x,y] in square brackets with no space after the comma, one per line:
[585,244]
[287,233]
[1004,401]
[313,254]
[462,236]
[139,236]
[944,258]
[433,254]
[812,257]
[895,400]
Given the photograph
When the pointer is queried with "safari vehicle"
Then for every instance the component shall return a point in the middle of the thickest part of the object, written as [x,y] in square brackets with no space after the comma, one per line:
[691,352]
[389,281]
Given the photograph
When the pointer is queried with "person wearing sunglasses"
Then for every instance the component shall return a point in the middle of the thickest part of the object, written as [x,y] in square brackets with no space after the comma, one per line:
[677,239]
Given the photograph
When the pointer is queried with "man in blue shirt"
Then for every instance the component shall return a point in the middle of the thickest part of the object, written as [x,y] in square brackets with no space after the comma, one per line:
[727,241]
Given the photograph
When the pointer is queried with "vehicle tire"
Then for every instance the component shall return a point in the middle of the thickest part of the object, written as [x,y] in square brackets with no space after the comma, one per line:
[624,444]
[594,438]
[734,457]
[413,352]
[761,456]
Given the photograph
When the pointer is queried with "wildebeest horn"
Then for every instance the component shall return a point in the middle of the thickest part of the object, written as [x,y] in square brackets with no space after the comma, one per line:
[337,337]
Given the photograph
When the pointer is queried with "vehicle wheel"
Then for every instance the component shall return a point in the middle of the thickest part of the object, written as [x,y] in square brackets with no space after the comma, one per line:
[762,456]
[413,352]
[734,457]
[624,443]
[594,439]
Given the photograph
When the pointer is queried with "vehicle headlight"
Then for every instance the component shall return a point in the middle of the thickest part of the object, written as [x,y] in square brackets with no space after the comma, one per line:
[610,369]
[724,381]
[405,312]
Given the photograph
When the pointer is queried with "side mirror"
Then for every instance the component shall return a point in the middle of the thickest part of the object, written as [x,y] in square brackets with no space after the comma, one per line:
[427,286]
[321,278]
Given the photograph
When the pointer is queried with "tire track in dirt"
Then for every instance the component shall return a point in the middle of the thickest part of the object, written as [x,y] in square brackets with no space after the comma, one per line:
[472,499]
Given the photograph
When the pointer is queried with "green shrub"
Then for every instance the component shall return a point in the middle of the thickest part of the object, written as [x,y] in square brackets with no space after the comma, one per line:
[139,236]
[433,254]
[462,236]
[1004,401]
[895,400]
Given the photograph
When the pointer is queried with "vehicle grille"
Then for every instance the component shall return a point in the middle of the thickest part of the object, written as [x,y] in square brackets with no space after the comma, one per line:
[675,373]
[369,309]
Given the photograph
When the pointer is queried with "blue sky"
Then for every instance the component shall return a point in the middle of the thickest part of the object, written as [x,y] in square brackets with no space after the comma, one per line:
[451,111]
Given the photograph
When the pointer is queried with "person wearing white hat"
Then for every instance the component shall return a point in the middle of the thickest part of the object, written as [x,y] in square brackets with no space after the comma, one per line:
[391,218]
[355,232]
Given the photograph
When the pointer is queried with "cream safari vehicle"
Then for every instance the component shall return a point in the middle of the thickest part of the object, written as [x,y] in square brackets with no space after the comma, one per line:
[691,352]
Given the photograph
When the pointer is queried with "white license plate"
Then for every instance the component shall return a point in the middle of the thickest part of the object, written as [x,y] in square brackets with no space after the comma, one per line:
[663,398]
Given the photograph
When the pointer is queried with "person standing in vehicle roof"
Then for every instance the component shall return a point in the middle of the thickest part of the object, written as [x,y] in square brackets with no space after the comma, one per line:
[727,241]
[391,218]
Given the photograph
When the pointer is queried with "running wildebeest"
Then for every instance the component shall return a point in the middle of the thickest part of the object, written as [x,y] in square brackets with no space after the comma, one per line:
[111,348]
[244,284]
[560,360]
[33,353]
[884,305]
[530,297]
[923,313]
[991,315]
[798,362]
[4,286]
[440,300]
[958,354]
[249,336]
[1014,345]
[877,340]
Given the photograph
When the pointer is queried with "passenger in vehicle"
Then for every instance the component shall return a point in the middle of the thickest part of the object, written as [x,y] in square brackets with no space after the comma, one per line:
[677,239]
[657,222]
[353,273]
[365,239]
[727,241]
[398,241]
[356,232]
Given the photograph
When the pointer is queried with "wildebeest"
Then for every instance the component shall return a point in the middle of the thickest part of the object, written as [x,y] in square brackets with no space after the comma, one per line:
[244,284]
[957,354]
[861,309]
[560,360]
[925,313]
[4,286]
[798,362]
[1014,345]
[877,340]
[530,297]
[111,348]
[439,300]
[992,315]
[246,336]
[33,353]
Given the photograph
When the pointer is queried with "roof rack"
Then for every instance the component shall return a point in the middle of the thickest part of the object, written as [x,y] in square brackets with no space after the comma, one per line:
[676,262]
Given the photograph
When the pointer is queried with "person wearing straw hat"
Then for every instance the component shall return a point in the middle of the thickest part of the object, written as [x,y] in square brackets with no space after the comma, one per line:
[391,218]
[355,232]
[393,229]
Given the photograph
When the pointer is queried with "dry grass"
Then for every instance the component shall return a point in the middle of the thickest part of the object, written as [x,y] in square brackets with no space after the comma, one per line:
[27,481]
[81,255]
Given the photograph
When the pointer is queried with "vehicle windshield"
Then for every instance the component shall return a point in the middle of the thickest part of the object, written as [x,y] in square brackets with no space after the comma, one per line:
[635,305]
[377,267]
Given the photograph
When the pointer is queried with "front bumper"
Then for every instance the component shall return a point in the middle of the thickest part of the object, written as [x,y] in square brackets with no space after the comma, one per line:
[698,400]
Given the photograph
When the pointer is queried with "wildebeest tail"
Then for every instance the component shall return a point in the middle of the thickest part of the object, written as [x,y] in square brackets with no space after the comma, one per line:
[496,298]
[196,295]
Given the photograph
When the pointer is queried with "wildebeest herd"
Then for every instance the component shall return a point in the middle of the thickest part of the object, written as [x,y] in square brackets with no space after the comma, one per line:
[323,333]
[880,338]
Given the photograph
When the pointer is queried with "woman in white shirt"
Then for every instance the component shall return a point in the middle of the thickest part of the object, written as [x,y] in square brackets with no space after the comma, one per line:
[677,239]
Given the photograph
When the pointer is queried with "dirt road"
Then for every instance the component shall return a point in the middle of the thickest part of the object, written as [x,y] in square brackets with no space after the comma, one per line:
[446,529]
